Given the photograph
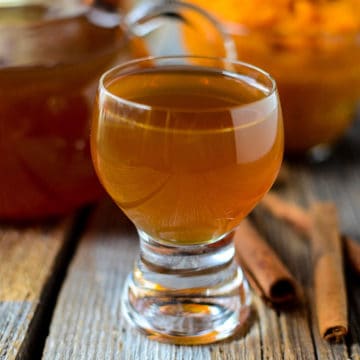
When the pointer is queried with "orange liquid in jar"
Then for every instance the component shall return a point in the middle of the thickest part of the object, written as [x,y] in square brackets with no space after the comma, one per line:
[191,167]
[310,47]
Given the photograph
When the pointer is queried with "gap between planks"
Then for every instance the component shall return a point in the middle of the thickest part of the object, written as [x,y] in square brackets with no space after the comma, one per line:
[33,261]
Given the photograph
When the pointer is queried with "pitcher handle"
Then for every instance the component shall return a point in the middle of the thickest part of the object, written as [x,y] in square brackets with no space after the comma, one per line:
[139,22]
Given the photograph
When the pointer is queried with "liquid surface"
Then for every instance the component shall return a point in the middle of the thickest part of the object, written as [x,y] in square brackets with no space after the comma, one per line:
[191,167]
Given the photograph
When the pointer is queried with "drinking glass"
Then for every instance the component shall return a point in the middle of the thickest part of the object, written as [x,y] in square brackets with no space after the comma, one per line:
[186,147]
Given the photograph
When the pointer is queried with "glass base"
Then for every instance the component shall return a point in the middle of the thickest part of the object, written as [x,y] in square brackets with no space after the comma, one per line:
[187,294]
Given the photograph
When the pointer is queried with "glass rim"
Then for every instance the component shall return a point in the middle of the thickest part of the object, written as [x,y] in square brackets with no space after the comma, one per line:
[103,88]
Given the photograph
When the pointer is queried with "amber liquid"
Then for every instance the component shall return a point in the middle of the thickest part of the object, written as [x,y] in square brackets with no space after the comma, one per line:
[190,168]
[46,92]
[318,103]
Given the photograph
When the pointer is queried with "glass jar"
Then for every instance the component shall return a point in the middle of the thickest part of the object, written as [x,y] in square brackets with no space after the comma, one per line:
[313,51]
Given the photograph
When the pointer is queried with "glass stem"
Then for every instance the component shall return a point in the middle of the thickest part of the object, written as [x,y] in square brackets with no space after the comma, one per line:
[187,294]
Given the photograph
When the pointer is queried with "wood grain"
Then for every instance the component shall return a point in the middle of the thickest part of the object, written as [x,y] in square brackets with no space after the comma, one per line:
[87,323]
[29,258]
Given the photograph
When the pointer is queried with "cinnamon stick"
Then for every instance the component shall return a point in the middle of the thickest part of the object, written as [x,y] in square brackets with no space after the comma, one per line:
[289,212]
[266,273]
[329,282]
[300,219]
[352,252]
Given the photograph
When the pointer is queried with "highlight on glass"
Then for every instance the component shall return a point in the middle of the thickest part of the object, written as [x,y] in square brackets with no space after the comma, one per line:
[186,147]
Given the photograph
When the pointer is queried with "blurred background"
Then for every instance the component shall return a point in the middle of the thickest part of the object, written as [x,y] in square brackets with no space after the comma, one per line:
[53,52]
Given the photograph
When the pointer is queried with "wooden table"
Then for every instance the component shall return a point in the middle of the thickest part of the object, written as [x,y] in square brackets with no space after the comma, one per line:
[60,283]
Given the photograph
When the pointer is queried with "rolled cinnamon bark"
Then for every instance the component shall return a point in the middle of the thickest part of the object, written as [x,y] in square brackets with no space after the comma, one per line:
[329,280]
[266,273]
[300,219]
[289,212]
[352,252]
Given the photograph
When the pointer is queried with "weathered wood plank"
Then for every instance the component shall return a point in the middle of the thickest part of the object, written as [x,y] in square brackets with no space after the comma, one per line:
[296,337]
[29,257]
[338,180]
[14,322]
[88,324]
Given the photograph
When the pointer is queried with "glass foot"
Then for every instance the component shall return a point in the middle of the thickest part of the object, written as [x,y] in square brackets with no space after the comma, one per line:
[187,295]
